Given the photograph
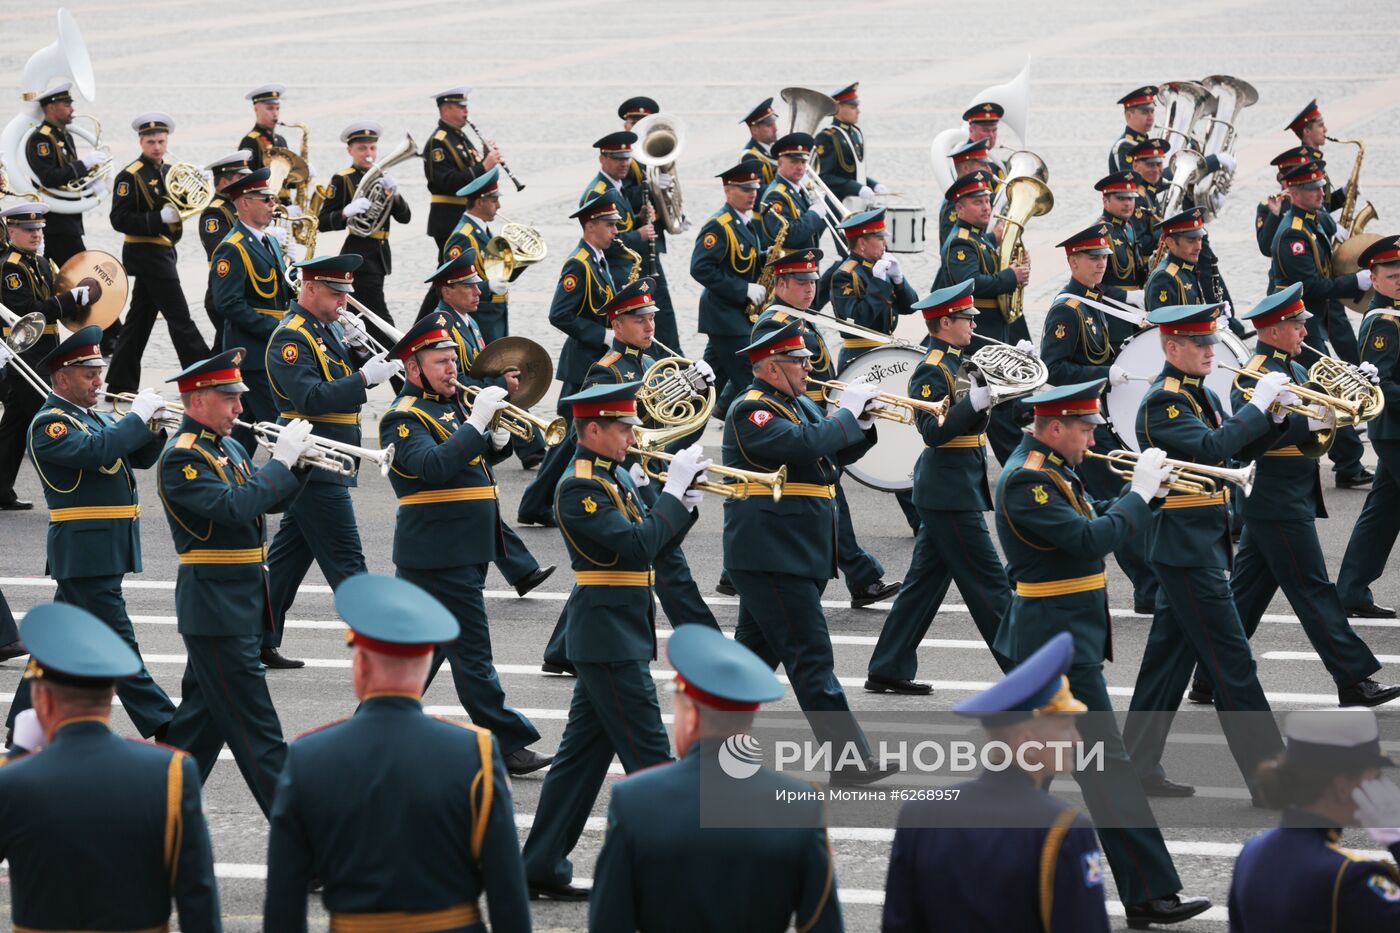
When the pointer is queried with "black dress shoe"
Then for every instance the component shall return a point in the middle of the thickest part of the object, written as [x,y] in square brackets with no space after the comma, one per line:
[549,667]
[557,892]
[877,684]
[275,660]
[858,776]
[14,649]
[1172,909]
[1201,692]
[16,505]
[1371,611]
[1162,787]
[1144,609]
[544,518]
[873,593]
[525,760]
[724,587]
[535,578]
[530,461]
[1367,693]
[1356,480]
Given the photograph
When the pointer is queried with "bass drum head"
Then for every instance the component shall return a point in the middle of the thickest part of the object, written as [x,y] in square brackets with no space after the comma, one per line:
[908,228]
[1141,355]
[889,465]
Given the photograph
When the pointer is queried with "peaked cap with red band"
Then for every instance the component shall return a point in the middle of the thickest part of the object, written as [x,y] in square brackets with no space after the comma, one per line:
[1080,400]
[392,616]
[719,673]
[218,372]
[1283,305]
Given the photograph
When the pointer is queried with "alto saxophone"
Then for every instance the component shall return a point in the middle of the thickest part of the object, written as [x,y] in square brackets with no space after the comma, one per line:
[635,272]
[767,277]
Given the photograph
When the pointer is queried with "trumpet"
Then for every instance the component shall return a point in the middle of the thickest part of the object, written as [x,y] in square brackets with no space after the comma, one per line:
[740,488]
[521,422]
[899,408]
[1190,478]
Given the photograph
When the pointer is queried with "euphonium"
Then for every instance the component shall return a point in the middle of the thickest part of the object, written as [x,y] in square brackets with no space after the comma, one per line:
[1026,197]
[1185,477]
[371,187]
[744,481]
[1231,96]
[660,141]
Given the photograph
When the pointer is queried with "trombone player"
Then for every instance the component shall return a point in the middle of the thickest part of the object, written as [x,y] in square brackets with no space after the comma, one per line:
[142,210]
[784,207]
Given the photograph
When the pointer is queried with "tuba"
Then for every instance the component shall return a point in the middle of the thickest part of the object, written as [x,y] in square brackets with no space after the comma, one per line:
[1026,196]
[381,202]
[807,109]
[660,141]
[1015,99]
[1231,96]
[1186,103]
[188,189]
[509,252]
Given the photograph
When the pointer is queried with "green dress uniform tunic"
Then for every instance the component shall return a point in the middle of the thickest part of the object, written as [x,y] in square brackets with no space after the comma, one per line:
[728,256]
[492,317]
[840,153]
[215,222]
[861,298]
[785,204]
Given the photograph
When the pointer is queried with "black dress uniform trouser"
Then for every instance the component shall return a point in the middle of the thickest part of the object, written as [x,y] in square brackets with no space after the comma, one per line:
[1195,622]
[216,319]
[1347,448]
[319,525]
[1373,536]
[142,698]
[21,405]
[151,296]
[9,631]
[224,700]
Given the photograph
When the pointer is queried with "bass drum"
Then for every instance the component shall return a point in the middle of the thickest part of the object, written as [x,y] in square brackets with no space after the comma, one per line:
[1141,355]
[889,465]
[908,227]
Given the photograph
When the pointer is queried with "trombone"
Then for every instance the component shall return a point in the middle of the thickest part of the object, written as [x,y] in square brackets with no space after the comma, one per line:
[1190,478]
[899,408]
[743,483]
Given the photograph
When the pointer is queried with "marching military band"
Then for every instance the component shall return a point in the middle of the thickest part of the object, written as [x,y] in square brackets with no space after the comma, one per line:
[302,341]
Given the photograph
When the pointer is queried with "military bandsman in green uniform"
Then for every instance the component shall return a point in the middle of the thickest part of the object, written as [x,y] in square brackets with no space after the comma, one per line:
[950,493]
[446,777]
[473,232]
[780,555]
[101,832]
[1127,266]
[1139,113]
[215,222]
[53,160]
[317,378]
[1280,546]
[727,262]
[635,232]
[450,162]
[1195,619]
[248,279]
[613,538]
[970,252]
[26,286]
[1078,344]
[762,122]
[267,107]
[216,504]
[1311,131]
[983,124]
[1373,536]
[86,461]
[869,287]
[971,156]
[1302,252]
[841,151]
[1056,533]
[1176,280]
[784,207]
[1269,212]
[1149,164]
[584,289]
[769,875]
[447,492]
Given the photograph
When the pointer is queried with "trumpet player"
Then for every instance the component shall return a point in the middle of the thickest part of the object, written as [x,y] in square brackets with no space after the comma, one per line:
[1079,343]
[86,461]
[781,555]
[26,286]
[316,377]
[448,520]
[613,538]
[215,222]
[1195,621]
[869,287]
[762,122]
[1280,547]
[950,494]
[1139,113]
[784,207]
[217,507]
[53,160]
[267,109]
[1056,534]
[142,211]
[841,150]
[1373,536]
[341,205]
[450,161]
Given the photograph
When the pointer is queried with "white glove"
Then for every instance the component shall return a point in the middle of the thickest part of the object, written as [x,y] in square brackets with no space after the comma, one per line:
[692,497]
[1227,311]
[1217,201]
[664,181]
[818,207]
[498,286]
[295,251]
[82,294]
[1268,390]
[1285,396]
[1149,473]
[354,329]
[1227,161]
[294,441]
[640,477]
[6,354]
[685,224]
[1136,299]
[277,233]
[500,437]
[95,160]
[1363,280]
[1372,373]
[489,401]
[28,734]
[866,194]
[857,397]
[169,215]
[147,405]
[1118,376]
[1341,234]
[757,293]
[881,269]
[98,187]
[1377,808]
[896,273]
[390,183]
[706,371]
[294,211]
[1025,346]
[355,207]
[682,471]
[980,396]
[880,188]
[1320,418]
[376,369]
[311,170]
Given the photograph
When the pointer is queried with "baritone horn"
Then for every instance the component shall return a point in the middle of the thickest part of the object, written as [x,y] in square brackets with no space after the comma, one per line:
[371,188]
[1185,477]
[1027,196]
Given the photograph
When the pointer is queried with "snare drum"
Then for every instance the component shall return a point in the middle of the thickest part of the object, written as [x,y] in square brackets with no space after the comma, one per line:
[889,465]
[907,226]
[1142,355]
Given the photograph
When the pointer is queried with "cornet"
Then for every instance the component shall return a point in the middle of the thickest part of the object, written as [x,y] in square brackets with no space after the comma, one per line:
[740,488]
[521,422]
[1190,478]
[899,408]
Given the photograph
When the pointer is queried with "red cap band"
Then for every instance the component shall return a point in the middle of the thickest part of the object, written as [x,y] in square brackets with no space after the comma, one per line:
[1279,315]
[1189,328]
[1383,256]
[874,226]
[1067,409]
[615,408]
[440,335]
[1138,100]
[952,307]
[793,342]
[710,700]
[208,380]
[79,354]
[391,648]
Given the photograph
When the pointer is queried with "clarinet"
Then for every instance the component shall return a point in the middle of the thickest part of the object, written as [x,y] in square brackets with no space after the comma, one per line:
[505,168]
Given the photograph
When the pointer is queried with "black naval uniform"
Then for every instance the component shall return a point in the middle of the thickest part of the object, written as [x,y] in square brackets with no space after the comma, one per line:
[148,254]
[378,259]
[450,162]
[214,224]
[257,141]
[53,158]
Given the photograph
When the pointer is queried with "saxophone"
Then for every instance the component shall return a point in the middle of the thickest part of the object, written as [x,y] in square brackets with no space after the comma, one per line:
[635,272]
[767,278]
